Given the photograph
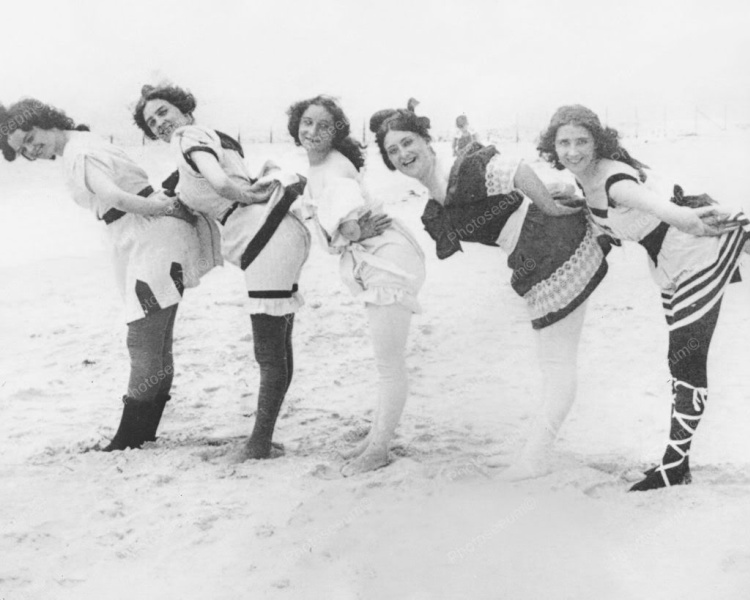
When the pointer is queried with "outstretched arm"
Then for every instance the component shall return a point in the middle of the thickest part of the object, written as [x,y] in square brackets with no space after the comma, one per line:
[529,183]
[243,192]
[630,194]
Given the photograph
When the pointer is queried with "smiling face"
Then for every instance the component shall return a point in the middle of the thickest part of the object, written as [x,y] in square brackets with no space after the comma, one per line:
[163,118]
[316,129]
[410,153]
[35,144]
[575,148]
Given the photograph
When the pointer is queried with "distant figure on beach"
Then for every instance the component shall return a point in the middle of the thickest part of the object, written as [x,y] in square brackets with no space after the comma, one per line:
[258,234]
[159,248]
[555,256]
[464,136]
[691,270]
[382,264]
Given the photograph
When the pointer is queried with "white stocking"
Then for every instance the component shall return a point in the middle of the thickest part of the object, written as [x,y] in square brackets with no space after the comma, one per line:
[389,330]
[557,349]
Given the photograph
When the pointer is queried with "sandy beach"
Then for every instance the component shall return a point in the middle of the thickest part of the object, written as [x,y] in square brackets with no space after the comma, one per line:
[182,519]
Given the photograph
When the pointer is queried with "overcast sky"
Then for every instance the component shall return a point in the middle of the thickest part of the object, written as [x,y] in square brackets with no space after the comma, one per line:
[247,61]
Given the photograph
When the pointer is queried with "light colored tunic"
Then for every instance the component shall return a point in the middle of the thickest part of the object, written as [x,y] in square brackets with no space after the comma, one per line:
[155,258]
[272,278]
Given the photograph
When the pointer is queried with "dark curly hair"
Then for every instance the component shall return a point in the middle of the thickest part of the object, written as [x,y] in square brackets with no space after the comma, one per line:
[27,114]
[398,119]
[181,99]
[606,139]
[342,140]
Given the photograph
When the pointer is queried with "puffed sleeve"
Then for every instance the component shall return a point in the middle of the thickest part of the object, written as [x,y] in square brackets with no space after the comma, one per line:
[188,140]
[82,164]
[78,168]
[479,200]
[341,200]
[499,175]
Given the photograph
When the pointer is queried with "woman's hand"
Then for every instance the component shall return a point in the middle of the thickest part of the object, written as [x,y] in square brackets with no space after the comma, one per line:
[268,167]
[565,194]
[716,219]
[259,192]
[560,189]
[372,226]
[559,209]
[174,208]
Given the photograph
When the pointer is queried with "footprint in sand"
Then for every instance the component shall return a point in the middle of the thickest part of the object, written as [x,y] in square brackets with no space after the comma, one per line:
[213,454]
[114,512]
[598,490]
[325,472]
[724,475]
[206,523]
[281,584]
[264,531]
[163,480]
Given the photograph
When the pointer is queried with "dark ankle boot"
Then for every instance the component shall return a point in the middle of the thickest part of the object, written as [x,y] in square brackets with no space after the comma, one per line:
[156,409]
[688,405]
[130,433]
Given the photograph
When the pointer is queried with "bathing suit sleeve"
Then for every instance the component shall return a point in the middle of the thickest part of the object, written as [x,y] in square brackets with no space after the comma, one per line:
[612,179]
[191,139]
[341,200]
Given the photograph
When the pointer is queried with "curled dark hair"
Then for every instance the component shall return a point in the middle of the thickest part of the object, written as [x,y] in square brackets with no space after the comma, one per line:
[27,114]
[397,119]
[342,140]
[606,139]
[181,99]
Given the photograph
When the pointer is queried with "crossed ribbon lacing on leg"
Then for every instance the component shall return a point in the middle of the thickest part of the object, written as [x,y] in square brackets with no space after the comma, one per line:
[689,424]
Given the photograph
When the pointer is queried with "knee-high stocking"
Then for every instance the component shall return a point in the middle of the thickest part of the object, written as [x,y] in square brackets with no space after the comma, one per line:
[688,357]
[272,345]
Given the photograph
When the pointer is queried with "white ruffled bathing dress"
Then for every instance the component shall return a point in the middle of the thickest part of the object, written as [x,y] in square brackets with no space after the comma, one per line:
[272,278]
[386,269]
[155,258]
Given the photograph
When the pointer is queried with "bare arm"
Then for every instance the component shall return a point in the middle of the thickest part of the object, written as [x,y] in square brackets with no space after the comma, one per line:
[225,186]
[102,185]
[630,194]
[529,183]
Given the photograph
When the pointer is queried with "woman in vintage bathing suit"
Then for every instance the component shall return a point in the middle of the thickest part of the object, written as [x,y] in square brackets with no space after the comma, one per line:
[258,234]
[158,248]
[384,271]
[556,259]
[692,271]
